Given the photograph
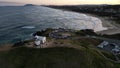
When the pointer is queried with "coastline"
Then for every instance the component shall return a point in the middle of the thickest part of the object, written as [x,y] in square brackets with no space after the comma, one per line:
[6,47]
[113,27]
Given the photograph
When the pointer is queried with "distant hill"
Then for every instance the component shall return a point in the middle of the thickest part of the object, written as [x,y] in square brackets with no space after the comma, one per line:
[29,5]
[2,3]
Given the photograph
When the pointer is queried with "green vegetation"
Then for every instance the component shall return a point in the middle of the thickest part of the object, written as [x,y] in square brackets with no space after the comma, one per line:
[115,36]
[67,53]
[44,33]
[109,55]
[85,32]
[53,58]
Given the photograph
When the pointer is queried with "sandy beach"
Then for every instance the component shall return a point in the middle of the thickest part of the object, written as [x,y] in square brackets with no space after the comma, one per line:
[113,27]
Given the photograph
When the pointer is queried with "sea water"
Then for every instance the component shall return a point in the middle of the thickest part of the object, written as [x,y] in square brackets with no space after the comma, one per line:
[19,22]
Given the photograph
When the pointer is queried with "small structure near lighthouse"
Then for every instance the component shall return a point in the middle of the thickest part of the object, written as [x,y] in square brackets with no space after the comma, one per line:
[39,40]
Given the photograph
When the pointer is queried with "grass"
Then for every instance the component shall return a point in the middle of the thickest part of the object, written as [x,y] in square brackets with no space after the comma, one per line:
[109,55]
[82,54]
[53,58]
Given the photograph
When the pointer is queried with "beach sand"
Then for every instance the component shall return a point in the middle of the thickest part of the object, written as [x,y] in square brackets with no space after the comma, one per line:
[113,27]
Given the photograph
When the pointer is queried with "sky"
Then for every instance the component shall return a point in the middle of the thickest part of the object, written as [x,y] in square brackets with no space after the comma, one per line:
[65,2]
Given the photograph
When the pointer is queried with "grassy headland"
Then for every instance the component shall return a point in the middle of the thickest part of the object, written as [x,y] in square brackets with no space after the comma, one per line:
[53,58]
[62,53]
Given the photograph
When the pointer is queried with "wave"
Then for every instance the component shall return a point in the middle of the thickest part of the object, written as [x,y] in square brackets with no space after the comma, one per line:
[28,27]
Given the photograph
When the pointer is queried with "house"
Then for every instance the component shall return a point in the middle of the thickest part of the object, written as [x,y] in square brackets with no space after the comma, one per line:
[39,40]
[103,44]
[116,50]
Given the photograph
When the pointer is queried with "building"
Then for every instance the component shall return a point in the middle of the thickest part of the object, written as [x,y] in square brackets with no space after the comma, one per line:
[39,40]
[114,48]
[103,44]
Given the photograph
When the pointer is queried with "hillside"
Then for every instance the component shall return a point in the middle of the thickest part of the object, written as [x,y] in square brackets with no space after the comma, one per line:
[68,52]
[111,11]
[53,58]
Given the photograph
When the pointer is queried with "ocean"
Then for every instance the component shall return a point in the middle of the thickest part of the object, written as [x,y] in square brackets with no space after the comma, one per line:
[19,22]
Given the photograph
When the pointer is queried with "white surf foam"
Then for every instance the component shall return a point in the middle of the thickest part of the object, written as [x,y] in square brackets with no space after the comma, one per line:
[28,27]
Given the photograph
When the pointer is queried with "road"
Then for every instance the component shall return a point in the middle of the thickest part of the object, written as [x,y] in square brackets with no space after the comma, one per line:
[106,39]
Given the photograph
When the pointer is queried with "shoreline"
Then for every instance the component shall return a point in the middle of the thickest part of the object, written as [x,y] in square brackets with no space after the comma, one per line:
[112,26]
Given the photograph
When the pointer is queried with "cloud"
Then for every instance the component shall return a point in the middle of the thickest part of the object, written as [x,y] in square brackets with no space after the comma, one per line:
[67,1]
